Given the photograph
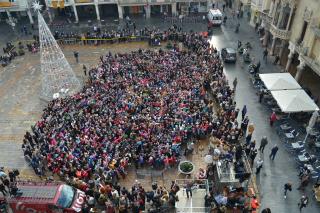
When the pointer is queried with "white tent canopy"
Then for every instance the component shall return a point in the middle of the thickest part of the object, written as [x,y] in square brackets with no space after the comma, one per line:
[279,81]
[291,101]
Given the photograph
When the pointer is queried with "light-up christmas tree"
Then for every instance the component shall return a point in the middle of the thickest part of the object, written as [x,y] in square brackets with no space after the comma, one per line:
[57,74]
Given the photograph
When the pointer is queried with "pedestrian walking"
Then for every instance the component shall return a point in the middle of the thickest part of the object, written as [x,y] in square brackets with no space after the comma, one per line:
[273,118]
[265,54]
[303,202]
[189,188]
[244,125]
[266,210]
[263,143]
[223,7]
[259,164]
[243,112]
[274,151]
[235,82]
[84,70]
[76,56]
[261,94]
[287,187]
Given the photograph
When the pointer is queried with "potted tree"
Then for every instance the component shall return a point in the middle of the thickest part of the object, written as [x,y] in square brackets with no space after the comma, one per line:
[186,167]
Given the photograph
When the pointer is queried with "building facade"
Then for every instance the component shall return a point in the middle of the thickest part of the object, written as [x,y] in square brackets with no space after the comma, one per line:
[11,10]
[100,9]
[291,30]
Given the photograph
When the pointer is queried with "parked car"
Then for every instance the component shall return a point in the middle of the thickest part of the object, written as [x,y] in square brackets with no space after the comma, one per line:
[228,55]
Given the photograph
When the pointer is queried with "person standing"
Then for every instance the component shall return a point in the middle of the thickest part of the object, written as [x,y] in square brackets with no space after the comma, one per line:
[244,112]
[259,164]
[274,151]
[273,118]
[276,60]
[3,189]
[76,56]
[287,186]
[303,202]
[254,204]
[265,54]
[84,70]
[263,143]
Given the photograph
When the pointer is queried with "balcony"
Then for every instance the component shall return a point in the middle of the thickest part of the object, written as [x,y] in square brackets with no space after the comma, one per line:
[312,62]
[266,19]
[278,33]
[257,4]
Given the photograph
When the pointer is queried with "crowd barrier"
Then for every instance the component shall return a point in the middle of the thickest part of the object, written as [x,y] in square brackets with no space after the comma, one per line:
[98,41]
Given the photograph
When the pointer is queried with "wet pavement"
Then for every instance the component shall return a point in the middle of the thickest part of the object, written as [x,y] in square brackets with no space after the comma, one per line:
[20,107]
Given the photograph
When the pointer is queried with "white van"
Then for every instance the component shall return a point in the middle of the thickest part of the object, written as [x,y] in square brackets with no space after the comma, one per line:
[215,17]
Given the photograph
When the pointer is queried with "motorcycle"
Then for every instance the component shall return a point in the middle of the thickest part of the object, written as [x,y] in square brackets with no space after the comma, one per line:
[248,45]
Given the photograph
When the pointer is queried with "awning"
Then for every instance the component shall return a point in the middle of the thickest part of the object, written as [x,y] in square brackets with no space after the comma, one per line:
[291,101]
[279,81]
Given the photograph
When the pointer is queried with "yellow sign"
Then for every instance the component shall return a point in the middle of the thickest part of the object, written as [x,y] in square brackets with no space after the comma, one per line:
[5,4]
[56,4]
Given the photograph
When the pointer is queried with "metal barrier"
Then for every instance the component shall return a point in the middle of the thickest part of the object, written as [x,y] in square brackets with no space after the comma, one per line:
[201,183]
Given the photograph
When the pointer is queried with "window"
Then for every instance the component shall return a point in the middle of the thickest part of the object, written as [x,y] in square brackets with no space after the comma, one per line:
[303,32]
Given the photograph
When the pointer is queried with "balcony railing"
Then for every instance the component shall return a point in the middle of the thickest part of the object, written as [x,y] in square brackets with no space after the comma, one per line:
[129,2]
[161,1]
[109,1]
[278,33]
[83,1]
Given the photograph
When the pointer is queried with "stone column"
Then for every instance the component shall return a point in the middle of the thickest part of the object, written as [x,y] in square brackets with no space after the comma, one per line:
[290,57]
[120,12]
[30,16]
[97,11]
[265,38]
[283,45]
[300,70]
[174,9]
[75,12]
[273,46]
[48,10]
[290,17]
[148,10]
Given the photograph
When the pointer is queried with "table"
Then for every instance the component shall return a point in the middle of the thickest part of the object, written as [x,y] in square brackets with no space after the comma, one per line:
[303,158]
[317,144]
[297,145]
